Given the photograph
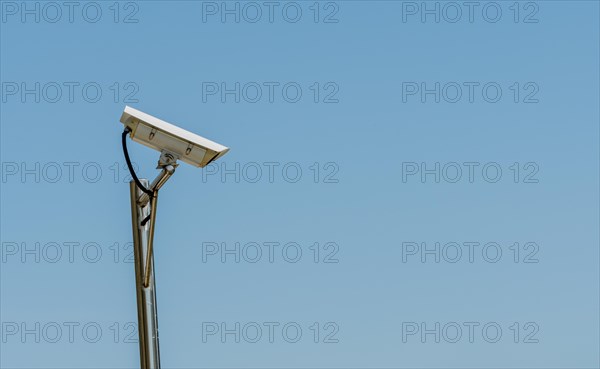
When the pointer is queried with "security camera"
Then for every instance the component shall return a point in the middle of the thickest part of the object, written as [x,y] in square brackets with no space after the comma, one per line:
[170,139]
[174,144]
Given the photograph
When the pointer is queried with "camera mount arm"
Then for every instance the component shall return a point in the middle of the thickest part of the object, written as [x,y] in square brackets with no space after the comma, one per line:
[168,163]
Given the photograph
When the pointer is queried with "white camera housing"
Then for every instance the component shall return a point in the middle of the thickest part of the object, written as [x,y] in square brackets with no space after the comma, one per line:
[162,136]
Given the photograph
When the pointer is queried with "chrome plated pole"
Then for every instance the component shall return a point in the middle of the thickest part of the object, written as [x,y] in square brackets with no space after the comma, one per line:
[146,296]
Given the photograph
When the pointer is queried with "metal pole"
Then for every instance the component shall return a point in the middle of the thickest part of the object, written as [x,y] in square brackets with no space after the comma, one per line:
[146,296]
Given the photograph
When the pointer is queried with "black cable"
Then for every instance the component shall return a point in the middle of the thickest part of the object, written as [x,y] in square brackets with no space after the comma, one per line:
[132,172]
[145,220]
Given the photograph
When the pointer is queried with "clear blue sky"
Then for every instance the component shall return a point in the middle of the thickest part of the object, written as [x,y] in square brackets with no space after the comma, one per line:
[415,127]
